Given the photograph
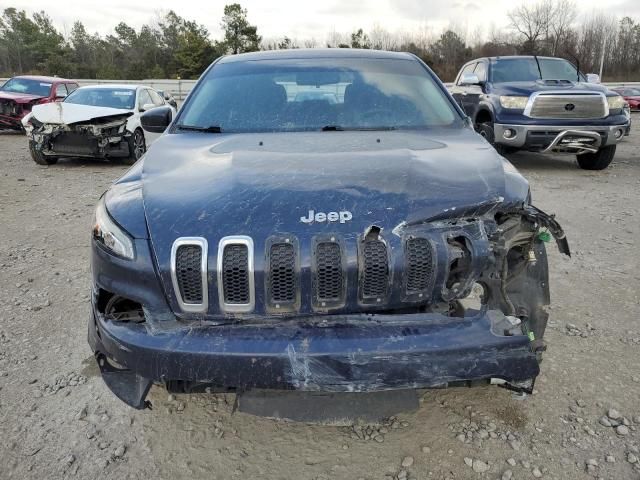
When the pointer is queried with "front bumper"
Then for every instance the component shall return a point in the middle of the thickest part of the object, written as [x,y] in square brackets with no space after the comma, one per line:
[14,123]
[541,137]
[355,353]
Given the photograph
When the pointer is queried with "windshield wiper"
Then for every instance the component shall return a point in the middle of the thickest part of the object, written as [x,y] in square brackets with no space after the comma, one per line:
[339,128]
[195,128]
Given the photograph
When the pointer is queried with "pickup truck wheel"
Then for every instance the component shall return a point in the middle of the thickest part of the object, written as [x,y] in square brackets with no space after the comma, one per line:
[137,147]
[38,157]
[486,130]
[597,161]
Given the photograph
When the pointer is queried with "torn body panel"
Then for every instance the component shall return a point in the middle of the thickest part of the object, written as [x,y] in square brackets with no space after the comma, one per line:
[101,137]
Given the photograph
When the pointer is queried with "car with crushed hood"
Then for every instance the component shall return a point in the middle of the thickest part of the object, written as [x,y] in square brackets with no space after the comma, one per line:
[20,94]
[97,121]
[358,240]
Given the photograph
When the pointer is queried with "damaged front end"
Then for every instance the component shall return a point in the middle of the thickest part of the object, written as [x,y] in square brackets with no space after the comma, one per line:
[478,318]
[103,137]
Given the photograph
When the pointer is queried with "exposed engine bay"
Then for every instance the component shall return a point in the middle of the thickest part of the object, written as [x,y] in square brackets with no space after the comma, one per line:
[102,137]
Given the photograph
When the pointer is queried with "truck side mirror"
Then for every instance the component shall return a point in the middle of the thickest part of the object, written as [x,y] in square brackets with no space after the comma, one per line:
[157,119]
[593,78]
[469,79]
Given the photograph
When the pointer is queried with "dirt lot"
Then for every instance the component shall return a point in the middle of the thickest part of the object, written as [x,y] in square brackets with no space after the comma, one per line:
[58,420]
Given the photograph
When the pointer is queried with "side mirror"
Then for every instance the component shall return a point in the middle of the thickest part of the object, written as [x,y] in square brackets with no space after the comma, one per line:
[593,78]
[469,79]
[147,106]
[157,119]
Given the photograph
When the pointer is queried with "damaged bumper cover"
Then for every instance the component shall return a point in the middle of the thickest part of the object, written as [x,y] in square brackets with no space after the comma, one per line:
[382,353]
[104,137]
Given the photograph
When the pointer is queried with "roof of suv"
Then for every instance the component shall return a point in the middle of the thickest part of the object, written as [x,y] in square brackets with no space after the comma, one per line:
[42,78]
[316,53]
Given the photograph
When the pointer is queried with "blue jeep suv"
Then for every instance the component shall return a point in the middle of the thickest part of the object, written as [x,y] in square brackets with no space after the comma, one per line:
[541,104]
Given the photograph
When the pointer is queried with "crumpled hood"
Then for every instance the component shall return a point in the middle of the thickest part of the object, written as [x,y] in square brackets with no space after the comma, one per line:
[526,88]
[261,184]
[61,113]
[19,97]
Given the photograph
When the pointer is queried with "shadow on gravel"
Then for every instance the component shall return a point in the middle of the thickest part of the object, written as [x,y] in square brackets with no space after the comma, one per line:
[525,161]
[88,162]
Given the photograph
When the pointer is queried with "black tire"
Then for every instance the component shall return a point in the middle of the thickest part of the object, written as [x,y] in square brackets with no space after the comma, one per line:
[137,147]
[38,157]
[485,130]
[597,161]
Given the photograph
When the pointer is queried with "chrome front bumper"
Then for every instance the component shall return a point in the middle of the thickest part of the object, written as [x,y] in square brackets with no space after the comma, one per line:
[558,138]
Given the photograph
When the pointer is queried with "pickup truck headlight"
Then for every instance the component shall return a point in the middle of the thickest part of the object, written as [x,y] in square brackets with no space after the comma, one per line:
[110,235]
[516,103]
[616,102]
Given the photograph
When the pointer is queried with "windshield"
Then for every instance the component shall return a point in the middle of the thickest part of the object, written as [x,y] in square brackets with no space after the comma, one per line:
[312,94]
[122,98]
[28,86]
[526,70]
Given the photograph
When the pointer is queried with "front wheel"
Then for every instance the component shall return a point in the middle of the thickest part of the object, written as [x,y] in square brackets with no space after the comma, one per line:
[486,130]
[598,160]
[38,157]
[137,147]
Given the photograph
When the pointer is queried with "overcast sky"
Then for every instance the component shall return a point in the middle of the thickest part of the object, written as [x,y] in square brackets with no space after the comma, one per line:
[302,19]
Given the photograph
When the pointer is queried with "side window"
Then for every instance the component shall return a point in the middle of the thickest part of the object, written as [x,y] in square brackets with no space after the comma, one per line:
[143,98]
[481,71]
[72,87]
[467,69]
[156,98]
[61,91]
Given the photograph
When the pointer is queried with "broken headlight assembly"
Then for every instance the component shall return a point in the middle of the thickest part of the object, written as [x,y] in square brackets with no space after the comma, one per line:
[109,235]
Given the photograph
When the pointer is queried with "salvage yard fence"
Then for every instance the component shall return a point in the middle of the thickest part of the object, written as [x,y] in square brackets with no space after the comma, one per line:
[181,88]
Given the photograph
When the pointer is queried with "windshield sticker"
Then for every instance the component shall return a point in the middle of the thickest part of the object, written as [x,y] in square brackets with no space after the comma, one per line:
[45,84]
[126,93]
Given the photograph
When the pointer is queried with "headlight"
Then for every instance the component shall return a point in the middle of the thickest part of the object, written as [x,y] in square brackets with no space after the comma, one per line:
[514,102]
[110,235]
[616,102]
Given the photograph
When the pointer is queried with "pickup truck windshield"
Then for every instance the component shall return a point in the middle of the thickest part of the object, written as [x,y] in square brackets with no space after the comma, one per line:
[28,86]
[123,98]
[526,70]
[304,94]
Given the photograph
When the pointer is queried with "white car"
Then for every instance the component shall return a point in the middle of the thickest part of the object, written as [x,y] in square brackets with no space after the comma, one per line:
[97,121]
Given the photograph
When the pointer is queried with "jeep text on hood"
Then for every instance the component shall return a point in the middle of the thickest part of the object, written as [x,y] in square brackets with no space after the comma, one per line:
[330,223]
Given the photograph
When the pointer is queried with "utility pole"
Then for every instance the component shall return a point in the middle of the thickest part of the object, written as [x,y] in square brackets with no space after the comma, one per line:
[604,47]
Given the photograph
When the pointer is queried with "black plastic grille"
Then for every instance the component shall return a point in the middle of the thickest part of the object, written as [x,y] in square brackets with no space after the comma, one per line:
[235,274]
[419,265]
[376,269]
[188,273]
[329,275]
[282,273]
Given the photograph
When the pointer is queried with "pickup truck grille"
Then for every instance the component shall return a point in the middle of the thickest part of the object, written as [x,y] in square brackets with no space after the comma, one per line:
[566,106]
[330,280]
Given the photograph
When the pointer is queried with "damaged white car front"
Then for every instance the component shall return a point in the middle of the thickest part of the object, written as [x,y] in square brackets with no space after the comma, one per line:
[69,130]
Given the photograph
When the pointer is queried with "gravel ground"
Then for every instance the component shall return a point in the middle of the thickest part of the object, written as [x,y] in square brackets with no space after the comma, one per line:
[58,420]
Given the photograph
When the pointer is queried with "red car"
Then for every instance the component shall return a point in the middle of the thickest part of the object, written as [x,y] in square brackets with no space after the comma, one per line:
[631,95]
[19,94]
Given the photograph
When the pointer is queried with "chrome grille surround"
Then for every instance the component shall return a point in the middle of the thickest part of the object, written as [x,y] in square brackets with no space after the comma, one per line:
[202,244]
[554,105]
[231,241]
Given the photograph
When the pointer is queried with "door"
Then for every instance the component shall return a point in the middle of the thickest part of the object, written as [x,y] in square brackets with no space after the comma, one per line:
[459,90]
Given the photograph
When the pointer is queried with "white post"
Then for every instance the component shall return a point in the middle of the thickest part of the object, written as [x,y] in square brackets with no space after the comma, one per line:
[604,47]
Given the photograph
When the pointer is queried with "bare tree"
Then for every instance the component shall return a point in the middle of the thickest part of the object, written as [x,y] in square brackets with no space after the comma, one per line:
[564,14]
[532,23]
